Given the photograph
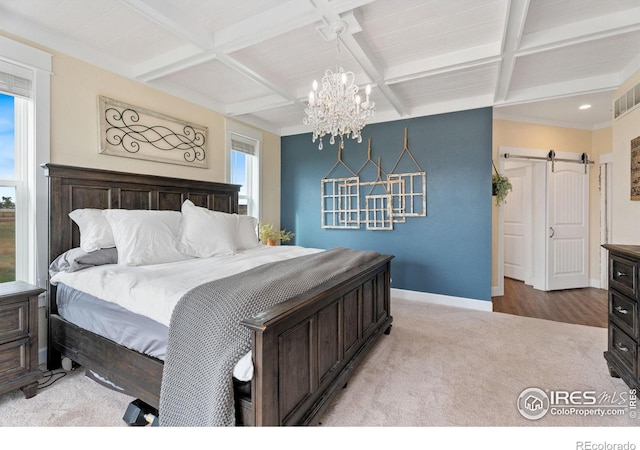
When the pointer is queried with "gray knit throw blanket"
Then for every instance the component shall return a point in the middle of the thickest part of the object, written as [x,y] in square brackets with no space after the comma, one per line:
[206,339]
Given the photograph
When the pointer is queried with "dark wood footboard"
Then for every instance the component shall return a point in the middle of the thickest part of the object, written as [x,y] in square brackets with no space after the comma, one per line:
[305,349]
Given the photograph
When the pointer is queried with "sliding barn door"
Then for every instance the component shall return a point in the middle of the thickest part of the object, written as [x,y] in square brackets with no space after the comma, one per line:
[567,226]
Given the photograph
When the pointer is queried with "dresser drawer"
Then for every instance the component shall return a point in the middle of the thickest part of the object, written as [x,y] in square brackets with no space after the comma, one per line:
[623,275]
[624,348]
[14,359]
[14,321]
[624,311]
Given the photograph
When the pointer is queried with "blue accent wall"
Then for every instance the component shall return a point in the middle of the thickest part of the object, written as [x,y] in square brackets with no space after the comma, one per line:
[447,252]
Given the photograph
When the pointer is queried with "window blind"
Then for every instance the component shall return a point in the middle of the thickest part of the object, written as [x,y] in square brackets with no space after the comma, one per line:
[240,144]
[15,80]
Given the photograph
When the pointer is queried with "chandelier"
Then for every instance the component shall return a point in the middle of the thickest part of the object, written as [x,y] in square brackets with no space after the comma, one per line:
[337,109]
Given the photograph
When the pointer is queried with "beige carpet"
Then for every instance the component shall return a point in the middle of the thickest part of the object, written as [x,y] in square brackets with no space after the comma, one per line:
[447,366]
[440,366]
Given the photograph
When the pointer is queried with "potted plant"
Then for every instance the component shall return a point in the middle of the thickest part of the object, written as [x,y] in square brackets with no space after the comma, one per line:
[501,186]
[270,235]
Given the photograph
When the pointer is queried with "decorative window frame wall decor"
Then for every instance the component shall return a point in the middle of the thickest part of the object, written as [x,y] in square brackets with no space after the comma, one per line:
[390,198]
[135,132]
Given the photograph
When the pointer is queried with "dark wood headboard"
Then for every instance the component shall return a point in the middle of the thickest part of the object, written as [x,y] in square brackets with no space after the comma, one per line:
[76,187]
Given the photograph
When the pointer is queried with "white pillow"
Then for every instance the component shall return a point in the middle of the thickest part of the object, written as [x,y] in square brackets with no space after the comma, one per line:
[95,232]
[205,233]
[247,232]
[145,236]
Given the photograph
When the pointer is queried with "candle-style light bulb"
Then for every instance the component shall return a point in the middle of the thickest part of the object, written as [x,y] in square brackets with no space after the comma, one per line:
[315,85]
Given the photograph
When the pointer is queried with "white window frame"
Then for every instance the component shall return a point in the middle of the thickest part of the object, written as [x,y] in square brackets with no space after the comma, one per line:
[32,211]
[243,133]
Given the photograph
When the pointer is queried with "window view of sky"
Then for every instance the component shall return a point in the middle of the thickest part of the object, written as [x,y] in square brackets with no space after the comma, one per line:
[7,153]
[239,170]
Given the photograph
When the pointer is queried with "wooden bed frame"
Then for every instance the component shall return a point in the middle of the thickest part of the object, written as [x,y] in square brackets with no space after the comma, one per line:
[304,349]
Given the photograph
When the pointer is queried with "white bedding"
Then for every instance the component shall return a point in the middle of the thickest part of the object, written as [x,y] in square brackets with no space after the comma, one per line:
[154,290]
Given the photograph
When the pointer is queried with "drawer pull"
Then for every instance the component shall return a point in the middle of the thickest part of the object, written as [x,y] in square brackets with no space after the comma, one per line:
[621,347]
[620,274]
[621,310]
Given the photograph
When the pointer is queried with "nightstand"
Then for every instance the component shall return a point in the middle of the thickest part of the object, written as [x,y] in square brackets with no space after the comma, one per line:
[19,337]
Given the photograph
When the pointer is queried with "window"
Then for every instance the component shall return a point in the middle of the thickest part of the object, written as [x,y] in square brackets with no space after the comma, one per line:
[24,146]
[244,166]
[8,184]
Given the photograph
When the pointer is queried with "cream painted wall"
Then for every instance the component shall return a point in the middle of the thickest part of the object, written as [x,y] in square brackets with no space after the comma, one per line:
[75,87]
[561,139]
[626,213]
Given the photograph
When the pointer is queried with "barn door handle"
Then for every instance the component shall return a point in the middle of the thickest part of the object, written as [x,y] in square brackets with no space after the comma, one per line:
[553,232]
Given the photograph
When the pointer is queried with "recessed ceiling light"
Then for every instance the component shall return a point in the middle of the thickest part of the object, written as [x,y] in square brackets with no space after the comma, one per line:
[585,106]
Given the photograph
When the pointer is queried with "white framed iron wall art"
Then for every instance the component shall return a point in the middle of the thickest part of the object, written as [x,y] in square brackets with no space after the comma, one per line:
[135,132]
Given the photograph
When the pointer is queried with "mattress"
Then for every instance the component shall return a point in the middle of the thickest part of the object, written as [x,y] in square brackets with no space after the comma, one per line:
[112,321]
[132,305]
[128,329]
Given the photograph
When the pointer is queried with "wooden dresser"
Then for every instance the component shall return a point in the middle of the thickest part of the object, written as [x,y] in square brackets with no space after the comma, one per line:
[19,337]
[623,354]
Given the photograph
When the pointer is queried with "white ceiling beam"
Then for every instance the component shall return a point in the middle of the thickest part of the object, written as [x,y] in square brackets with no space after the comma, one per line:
[170,62]
[341,6]
[582,31]
[563,89]
[189,95]
[265,25]
[511,39]
[257,105]
[471,57]
[258,78]
[173,20]
[261,124]
[462,104]
[360,51]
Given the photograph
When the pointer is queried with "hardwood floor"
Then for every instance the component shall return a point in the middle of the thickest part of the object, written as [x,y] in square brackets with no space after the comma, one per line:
[587,306]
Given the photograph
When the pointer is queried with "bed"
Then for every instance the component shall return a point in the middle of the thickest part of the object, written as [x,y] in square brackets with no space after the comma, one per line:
[303,349]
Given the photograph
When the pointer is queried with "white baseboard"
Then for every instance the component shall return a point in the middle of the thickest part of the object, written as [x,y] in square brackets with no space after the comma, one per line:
[595,283]
[440,299]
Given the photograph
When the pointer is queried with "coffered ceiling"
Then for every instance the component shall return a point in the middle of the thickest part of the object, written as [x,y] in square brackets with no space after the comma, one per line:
[535,60]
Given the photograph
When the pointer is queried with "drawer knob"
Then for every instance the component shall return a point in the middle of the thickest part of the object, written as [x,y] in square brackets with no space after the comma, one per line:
[621,310]
[621,347]
[621,274]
